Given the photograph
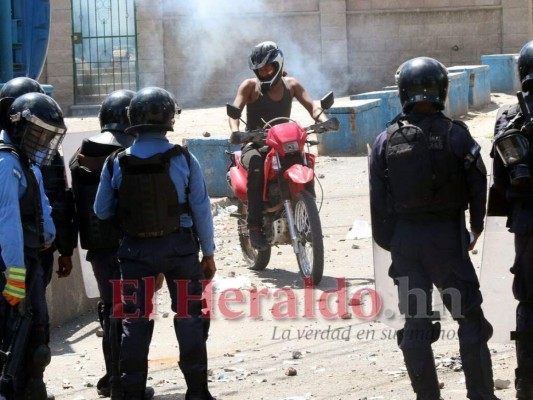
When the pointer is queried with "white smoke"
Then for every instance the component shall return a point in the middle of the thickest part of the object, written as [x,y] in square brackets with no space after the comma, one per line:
[210,41]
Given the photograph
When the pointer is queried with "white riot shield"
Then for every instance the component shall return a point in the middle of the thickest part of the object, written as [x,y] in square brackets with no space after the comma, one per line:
[496,280]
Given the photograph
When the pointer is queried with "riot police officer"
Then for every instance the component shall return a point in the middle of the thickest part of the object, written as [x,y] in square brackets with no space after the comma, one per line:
[57,192]
[156,190]
[34,128]
[425,171]
[512,180]
[101,238]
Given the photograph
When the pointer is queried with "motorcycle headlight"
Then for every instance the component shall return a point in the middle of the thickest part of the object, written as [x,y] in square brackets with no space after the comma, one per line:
[290,147]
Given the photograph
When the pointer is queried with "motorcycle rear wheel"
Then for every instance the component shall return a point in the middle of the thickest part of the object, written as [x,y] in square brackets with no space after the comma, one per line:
[257,260]
[310,240]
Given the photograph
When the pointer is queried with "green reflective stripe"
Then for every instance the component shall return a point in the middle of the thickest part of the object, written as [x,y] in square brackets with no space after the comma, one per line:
[14,291]
[16,274]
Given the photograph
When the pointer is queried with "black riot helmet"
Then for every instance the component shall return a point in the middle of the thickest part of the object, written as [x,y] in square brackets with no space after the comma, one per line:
[525,66]
[18,86]
[152,109]
[14,88]
[422,79]
[113,113]
[36,126]
[267,53]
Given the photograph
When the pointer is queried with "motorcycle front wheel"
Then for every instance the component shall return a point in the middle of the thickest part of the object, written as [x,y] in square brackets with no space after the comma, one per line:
[309,233]
[257,260]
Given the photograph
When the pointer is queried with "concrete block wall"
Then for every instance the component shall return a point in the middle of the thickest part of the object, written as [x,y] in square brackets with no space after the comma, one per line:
[348,46]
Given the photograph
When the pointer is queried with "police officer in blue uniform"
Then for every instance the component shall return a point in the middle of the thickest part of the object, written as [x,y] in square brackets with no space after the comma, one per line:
[34,128]
[158,193]
[57,192]
[425,171]
[512,181]
[101,238]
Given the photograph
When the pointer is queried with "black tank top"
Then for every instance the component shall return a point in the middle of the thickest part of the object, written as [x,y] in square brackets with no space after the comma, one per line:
[264,108]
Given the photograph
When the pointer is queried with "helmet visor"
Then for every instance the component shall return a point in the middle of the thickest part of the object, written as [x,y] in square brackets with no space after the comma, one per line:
[40,144]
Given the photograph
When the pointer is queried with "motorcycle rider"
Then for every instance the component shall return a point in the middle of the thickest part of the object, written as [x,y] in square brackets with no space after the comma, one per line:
[269,95]
[425,170]
[159,237]
[512,179]
[33,129]
[101,238]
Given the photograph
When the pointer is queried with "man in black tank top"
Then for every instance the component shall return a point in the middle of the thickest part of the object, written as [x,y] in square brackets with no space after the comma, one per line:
[267,96]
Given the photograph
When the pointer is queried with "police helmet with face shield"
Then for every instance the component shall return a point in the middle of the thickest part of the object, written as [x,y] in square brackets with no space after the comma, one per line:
[113,113]
[36,126]
[422,79]
[267,53]
[152,109]
[525,66]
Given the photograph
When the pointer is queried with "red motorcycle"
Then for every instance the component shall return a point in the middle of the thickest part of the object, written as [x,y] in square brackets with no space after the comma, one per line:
[290,213]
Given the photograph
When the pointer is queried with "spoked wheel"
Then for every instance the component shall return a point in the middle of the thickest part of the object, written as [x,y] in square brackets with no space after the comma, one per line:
[256,259]
[309,233]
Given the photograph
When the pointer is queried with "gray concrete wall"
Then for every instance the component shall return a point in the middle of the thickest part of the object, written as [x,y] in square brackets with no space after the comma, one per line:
[200,53]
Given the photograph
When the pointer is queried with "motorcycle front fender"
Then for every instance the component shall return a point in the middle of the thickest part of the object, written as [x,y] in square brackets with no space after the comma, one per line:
[298,173]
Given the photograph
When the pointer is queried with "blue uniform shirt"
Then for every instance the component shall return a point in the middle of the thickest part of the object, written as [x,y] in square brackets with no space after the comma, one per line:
[148,145]
[13,185]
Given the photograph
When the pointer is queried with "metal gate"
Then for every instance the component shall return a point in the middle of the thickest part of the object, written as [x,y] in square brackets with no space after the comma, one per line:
[104,44]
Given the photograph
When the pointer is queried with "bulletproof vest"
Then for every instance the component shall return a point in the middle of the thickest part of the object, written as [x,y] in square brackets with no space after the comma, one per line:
[86,167]
[31,211]
[148,204]
[264,108]
[424,175]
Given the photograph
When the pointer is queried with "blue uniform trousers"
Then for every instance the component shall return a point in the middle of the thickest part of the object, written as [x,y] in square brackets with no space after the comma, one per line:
[523,292]
[39,333]
[427,253]
[176,256]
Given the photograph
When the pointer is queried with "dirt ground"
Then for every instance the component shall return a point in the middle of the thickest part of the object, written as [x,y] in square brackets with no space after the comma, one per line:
[250,357]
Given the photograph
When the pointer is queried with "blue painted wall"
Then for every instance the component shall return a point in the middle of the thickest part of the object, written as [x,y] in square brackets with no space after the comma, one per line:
[360,123]
[211,155]
[390,103]
[457,100]
[503,72]
[479,83]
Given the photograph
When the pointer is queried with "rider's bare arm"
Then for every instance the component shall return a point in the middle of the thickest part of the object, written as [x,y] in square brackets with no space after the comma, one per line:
[245,94]
[305,99]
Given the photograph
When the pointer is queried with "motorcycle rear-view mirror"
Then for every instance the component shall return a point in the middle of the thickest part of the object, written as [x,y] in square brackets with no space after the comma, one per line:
[233,112]
[327,101]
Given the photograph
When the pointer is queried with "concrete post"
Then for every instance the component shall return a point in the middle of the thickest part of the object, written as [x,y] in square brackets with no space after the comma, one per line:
[517,27]
[334,42]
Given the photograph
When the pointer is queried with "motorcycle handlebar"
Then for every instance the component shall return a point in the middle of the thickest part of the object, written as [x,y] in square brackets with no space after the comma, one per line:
[259,135]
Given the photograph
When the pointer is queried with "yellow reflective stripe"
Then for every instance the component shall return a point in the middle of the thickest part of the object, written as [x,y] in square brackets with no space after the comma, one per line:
[14,291]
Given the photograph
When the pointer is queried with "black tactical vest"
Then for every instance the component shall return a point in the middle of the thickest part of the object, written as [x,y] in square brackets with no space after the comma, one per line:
[424,175]
[86,167]
[31,210]
[148,201]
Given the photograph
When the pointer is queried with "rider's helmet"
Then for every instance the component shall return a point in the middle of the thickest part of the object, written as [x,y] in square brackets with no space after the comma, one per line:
[18,86]
[422,79]
[525,66]
[113,113]
[152,109]
[36,126]
[267,53]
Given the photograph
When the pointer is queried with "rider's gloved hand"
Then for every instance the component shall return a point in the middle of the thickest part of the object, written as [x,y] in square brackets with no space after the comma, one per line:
[235,137]
[15,289]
